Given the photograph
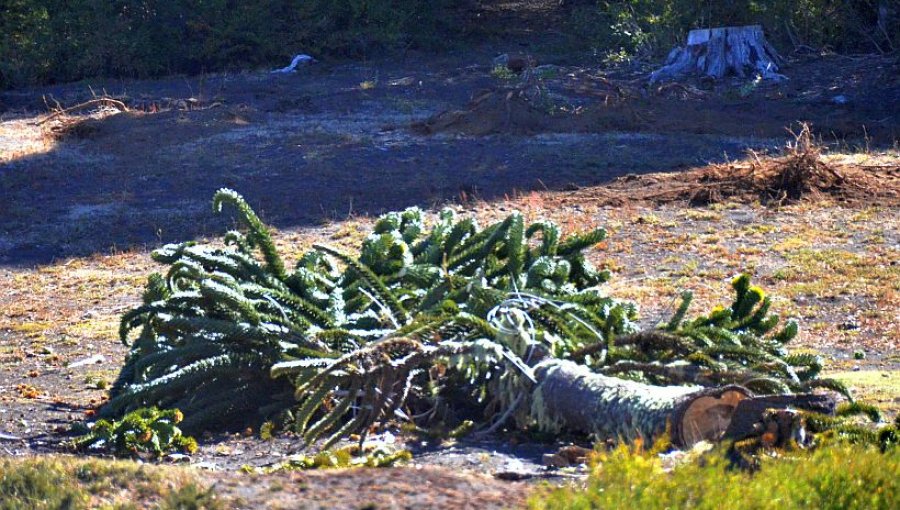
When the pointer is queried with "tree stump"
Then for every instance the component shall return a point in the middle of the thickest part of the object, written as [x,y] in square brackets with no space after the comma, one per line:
[719,52]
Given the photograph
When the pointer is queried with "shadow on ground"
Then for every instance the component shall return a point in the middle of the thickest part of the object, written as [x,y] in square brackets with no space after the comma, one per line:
[332,142]
[60,206]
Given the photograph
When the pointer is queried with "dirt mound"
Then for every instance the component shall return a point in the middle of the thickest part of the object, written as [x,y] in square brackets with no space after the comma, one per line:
[510,111]
[801,173]
[533,108]
[845,99]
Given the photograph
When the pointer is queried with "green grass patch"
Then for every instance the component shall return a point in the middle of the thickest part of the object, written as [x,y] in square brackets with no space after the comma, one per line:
[879,387]
[837,477]
[58,482]
[826,273]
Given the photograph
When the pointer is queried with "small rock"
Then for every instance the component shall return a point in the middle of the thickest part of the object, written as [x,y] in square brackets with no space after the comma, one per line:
[402,82]
[519,64]
[513,476]
[210,466]
[840,99]
[575,454]
[555,460]
[849,325]
[97,358]
[501,60]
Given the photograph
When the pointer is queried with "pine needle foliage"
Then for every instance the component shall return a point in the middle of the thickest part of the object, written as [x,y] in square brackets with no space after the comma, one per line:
[736,344]
[350,456]
[147,430]
[424,310]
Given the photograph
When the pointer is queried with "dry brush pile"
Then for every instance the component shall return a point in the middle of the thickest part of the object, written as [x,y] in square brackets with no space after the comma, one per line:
[430,320]
[802,172]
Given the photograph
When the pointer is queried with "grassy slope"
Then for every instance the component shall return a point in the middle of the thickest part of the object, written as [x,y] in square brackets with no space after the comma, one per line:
[839,477]
[60,482]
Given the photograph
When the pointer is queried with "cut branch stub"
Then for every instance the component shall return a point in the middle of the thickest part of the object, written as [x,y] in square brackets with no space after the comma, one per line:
[747,415]
[719,52]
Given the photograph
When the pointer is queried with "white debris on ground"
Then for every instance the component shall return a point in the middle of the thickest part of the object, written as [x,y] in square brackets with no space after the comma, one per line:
[675,458]
[301,60]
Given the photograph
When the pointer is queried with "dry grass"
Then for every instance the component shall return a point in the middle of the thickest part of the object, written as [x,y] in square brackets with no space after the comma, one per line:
[22,139]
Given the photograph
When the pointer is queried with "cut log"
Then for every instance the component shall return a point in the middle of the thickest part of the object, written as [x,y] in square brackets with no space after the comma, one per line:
[572,397]
[719,52]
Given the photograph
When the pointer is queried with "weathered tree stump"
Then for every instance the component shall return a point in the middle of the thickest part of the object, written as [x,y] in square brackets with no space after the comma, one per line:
[719,52]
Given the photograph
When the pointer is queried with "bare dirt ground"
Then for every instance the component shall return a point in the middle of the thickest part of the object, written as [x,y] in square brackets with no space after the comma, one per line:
[83,199]
[336,141]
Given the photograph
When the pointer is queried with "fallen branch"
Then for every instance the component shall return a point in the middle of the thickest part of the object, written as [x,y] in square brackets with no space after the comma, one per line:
[100,101]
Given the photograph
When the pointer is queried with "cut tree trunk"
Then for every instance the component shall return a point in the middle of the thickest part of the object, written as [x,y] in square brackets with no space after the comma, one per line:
[719,52]
[570,396]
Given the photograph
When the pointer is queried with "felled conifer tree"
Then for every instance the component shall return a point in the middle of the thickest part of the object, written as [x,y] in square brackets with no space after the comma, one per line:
[341,341]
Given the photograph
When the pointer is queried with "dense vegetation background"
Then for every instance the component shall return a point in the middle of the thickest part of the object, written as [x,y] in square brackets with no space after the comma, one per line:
[47,41]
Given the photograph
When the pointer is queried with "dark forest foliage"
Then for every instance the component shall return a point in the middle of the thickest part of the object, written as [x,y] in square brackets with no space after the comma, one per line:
[48,41]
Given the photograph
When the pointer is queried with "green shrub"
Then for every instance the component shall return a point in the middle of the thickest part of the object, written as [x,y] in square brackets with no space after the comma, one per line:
[147,430]
[214,331]
[835,477]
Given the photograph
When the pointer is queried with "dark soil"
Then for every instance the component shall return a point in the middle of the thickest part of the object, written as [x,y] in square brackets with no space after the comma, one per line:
[334,141]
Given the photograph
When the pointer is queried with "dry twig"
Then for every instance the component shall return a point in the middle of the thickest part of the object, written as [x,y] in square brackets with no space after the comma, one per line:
[100,101]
